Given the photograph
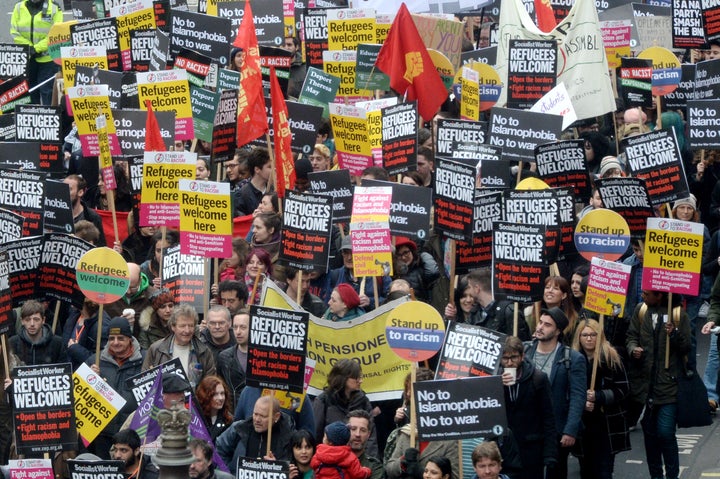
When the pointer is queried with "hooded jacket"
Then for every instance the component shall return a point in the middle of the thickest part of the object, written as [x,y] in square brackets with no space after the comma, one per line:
[337,462]
[48,349]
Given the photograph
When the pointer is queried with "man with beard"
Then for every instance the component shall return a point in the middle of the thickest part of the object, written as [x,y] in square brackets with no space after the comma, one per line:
[36,344]
[80,211]
[203,467]
[126,448]
[360,425]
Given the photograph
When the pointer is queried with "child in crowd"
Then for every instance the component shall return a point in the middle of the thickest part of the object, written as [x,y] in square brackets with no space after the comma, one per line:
[334,459]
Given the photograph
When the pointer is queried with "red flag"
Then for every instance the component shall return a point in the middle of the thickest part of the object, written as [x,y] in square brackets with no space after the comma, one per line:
[284,163]
[405,59]
[545,16]
[252,119]
[153,138]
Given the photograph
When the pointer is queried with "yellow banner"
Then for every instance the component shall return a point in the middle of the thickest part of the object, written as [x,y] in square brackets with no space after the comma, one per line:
[96,403]
[362,339]
[71,57]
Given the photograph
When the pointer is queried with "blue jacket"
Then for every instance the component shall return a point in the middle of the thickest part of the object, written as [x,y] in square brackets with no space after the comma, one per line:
[568,379]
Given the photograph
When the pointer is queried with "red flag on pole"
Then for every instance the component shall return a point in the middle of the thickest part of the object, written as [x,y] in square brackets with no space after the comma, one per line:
[405,59]
[252,119]
[545,16]
[153,137]
[284,163]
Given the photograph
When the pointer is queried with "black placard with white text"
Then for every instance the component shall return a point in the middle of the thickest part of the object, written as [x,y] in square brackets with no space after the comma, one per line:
[518,132]
[635,82]
[58,213]
[532,71]
[130,129]
[399,138]
[305,235]
[58,259]
[13,60]
[23,256]
[409,209]
[337,184]
[703,124]
[23,192]
[224,129]
[454,198]
[6,318]
[478,253]
[204,34]
[96,469]
[99,33]
[470,350]
[518,262]
[629,198]
[564,164]
[459,138]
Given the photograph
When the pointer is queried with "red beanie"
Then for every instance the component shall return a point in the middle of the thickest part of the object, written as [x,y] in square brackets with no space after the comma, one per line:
[348,295]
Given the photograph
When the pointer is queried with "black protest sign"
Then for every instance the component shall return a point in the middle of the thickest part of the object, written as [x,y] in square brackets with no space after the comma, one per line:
[532,71]
[58,213]
[711,19]
[196,64]
[96,469]
[210,36]
[655,157]
[518,262]
[566,209]
[14,92]
[277,348]
[453,409]
[42,124]
[399,138]
[253,468]
[337,184]
[409,209]
[635,81]
[478,253]
[454,198]
[84,9]
[160,53]
[43,409]
[102,32]
[141,44]
[518,132]
[630,199]
[129,97]
[141,383]
[470,350]
[225,127]
[135,166]
[487,55]
[11,225]
[305,235]
[269,22]
[677,99]
[13,60]
[494,171]
[536,207]
[58,259]
[316,36]
[564,164]
[130,129]
[7,127]
[703,124]
[23,256]
[459,138]
[304,121]
[707,80]
[687,28]
[20,155]
[91,76]
[184,276]
[23,192]
[6,318]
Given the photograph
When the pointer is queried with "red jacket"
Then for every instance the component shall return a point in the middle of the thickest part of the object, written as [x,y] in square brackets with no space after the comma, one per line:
[337,462]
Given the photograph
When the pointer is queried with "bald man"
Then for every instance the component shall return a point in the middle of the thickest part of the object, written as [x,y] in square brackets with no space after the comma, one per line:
[136,298]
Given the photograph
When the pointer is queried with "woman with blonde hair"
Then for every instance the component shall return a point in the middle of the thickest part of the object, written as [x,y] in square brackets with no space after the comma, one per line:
[606,429]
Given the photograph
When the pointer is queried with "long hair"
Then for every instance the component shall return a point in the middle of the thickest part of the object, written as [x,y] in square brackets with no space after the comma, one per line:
[341,372]
[297,439]
[608,354]
[205,391]
[566,304]
[264,257]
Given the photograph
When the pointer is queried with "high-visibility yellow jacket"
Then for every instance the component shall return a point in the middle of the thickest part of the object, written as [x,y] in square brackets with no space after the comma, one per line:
[32,30]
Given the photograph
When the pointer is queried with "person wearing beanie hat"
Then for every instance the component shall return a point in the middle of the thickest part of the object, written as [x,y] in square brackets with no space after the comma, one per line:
[154,319]
[418,268]
[610,168]
[237,56]
[302,168]
[344,304]
[334,459]
[685,209]
[567,371]
[120,359]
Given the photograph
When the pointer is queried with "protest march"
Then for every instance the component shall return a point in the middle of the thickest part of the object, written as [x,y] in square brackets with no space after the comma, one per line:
[428,239]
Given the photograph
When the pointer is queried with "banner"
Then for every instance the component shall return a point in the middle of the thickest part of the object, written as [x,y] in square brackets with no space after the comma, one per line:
[23,256]
[519,132]
[43,409]
[399,138]
[453,409]
[184,276]
[277,348]
[205,218]
[161,174]
[607,287]
[96,403]
[564,164]
[370,232]
[673,256]
[470,350]
[23,192]
[518,262]
[629,198]
[306,232]
[454,197]
[337,184]
[169,91]
[532,71]
[362,339]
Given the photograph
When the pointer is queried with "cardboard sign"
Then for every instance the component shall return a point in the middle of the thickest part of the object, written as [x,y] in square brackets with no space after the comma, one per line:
[453,409]
[341,63]
[351,137]
[399,138]
[415,331]
[656,158]
[607,287]
[305,235]
[96,403]
[458,138]
[602,234]
[532,71]
[169,90]
[703,123]
[13,60]
[636,81]
[96,469]
[130,129]
[58,260]
[519,261]
[319,89]
[23,192]
[23,256]
[205,218]
[208,35]
[277,348]
[478,253]
[57,217]
[337,184]
[98,33]
[103,275]
[454,198]
[370,232]
[43,409]
[564,164]
[160,196]
[673,256]
[519,132]
[409,209]
[628,197]
[470,350]
[184,276]
[36,468]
